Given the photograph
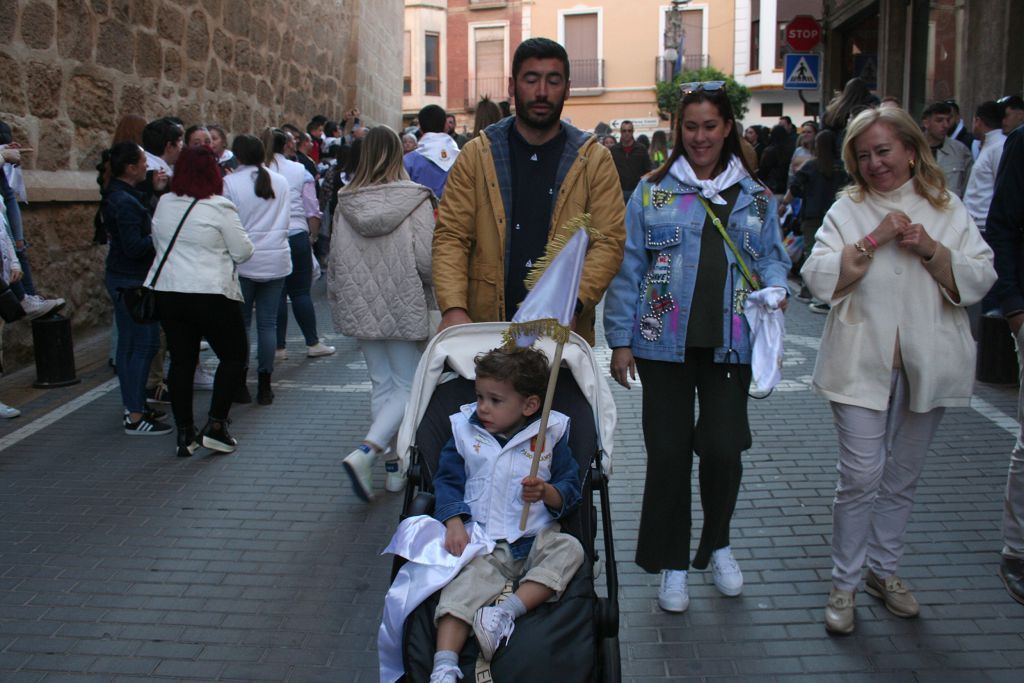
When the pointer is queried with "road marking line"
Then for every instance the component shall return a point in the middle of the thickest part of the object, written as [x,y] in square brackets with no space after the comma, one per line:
[1001,419]
[56,414]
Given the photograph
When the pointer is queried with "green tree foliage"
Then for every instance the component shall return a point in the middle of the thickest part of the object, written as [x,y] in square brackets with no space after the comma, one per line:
[669,94]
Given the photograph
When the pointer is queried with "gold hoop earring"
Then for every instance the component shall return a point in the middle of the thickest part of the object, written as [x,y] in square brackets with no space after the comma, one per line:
[911,164]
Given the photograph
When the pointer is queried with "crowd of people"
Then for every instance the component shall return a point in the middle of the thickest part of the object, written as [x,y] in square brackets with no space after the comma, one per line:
[884,220]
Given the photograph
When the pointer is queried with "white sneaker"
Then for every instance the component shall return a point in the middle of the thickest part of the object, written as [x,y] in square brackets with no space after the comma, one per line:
[359,467]
[445,673]
[491,625]
[281,354]
[319,349]
[726,572]
[7,412]
[203,379]
[36,306]
[673,596]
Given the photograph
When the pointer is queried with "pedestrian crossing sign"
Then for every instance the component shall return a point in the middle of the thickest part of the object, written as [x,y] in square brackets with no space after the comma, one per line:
[802,71]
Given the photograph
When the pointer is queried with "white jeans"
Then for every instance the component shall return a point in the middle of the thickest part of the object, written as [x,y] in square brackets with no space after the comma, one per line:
[881,455]
[392,366]
[1013,506]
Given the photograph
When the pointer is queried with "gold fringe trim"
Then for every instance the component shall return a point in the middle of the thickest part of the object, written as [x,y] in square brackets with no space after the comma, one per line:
[557,243]
[545,327]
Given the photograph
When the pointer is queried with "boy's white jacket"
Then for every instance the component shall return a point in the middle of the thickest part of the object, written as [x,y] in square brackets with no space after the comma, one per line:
[494,474]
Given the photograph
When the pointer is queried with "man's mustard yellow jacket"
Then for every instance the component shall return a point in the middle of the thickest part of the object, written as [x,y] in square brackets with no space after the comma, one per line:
[470,249]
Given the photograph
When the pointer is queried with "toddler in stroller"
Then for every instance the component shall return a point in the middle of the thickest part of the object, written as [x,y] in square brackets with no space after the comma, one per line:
[475,463]
[484,474]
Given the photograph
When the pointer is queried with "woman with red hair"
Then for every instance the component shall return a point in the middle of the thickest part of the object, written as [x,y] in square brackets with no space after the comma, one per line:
[199,239]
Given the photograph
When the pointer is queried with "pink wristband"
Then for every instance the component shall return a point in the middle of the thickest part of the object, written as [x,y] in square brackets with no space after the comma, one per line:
[871,240]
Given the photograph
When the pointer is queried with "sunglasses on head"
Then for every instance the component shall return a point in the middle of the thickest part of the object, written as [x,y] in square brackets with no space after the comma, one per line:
[698,86]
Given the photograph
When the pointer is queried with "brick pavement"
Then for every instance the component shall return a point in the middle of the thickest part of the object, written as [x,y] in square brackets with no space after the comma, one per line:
[120,562]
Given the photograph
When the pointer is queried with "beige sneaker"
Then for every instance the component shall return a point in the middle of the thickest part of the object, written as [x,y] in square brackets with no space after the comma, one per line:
[893,592]
[359,467]
[395,480]
[839,612]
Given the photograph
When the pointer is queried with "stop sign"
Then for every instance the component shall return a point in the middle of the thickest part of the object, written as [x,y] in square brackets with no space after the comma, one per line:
[803,33]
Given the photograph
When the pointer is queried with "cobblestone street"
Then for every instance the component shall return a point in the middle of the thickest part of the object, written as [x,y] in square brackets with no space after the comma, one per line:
[119,561]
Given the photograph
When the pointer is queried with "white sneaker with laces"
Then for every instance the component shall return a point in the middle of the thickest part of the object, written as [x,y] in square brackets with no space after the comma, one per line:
[359,467]
[36,306]
[445,673]
[726,572]
[674,596]
[203,379]
[281,354]
[319,349]
[491,626]
[7,412]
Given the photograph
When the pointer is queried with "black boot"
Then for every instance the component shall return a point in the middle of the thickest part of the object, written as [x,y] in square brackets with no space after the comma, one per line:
[1011,571]
[264,394]
[242,394]
[216,437]
[187,443]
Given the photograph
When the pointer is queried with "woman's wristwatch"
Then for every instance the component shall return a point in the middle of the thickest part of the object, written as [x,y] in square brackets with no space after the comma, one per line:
[864,248]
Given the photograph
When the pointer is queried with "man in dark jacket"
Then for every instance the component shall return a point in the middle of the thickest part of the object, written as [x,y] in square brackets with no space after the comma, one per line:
[631,160]
[1005,232]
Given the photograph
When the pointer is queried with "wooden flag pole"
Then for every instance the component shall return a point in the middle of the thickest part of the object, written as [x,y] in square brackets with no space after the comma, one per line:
[538,450]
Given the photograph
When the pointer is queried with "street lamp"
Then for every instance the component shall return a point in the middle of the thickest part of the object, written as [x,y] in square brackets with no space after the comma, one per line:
[675,34]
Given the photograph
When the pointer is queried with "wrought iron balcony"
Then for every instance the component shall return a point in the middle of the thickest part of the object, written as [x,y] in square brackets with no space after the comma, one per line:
[665,70]
[586,73]
[492,87]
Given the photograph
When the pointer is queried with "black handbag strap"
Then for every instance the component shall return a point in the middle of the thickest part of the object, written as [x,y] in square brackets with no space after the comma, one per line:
[171,245]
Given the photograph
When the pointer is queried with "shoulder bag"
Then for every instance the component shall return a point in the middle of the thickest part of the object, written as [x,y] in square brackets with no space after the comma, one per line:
[141,299]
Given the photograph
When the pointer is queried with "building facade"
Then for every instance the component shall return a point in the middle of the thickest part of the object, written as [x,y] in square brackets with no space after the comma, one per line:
[617,53]
[920,51]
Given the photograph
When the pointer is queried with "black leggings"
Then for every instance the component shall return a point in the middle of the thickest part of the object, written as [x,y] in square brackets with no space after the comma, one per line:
[187,319]
[719,437]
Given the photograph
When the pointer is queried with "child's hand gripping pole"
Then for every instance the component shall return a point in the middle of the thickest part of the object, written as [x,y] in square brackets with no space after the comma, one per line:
[549,397]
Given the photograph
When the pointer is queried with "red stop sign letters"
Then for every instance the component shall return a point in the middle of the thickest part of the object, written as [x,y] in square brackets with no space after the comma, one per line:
[803,33]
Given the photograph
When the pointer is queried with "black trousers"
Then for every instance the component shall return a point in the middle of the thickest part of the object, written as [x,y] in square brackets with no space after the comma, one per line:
[672,434]
[186,319]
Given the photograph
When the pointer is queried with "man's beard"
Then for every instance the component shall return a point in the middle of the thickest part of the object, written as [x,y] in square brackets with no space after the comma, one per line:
[538,123]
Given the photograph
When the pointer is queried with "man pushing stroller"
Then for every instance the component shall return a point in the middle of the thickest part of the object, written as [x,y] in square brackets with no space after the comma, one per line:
[483,476]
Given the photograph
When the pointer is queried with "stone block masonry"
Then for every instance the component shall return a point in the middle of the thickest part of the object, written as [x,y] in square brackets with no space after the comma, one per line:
[70,69]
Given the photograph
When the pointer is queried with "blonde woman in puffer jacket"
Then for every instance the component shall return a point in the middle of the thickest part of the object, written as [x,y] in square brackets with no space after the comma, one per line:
[380,293]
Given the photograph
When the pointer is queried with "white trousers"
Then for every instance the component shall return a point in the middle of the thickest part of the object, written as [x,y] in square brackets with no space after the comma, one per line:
[881,455]
[392,366]
[1013,505]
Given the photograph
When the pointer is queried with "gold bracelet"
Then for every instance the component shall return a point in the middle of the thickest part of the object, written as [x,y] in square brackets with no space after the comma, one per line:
[859,244]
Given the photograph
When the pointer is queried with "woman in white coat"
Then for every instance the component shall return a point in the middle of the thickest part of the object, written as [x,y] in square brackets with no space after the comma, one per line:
[262,200]
[898,258]
[197,292]
[379,289]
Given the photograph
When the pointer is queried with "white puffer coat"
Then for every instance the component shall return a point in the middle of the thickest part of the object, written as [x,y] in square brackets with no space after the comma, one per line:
[379,273]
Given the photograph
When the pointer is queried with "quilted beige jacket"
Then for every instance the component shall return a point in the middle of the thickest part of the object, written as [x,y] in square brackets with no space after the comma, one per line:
[379,272]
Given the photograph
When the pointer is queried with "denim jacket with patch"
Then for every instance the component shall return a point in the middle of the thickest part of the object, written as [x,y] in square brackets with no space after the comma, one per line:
[647,304]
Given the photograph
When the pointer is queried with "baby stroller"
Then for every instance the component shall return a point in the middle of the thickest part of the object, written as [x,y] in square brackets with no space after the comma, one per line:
[575,638]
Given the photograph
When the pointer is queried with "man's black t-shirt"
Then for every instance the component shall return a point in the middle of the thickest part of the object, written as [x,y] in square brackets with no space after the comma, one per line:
[534,170]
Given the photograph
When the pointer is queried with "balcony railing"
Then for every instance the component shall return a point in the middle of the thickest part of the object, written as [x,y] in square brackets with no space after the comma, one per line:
[586,73]
[492,87]
[665,70]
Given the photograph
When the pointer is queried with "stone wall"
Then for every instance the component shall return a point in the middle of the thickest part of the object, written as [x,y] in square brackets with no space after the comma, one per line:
[69,69]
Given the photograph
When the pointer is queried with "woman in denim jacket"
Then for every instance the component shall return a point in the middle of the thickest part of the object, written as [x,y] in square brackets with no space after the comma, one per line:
[675,313]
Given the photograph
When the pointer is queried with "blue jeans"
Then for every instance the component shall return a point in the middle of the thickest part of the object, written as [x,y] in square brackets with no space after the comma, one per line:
[24,285]
[266,297]
[297,286]
[136,346]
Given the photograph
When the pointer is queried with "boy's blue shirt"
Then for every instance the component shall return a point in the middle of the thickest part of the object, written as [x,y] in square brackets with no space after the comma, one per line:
[450,484]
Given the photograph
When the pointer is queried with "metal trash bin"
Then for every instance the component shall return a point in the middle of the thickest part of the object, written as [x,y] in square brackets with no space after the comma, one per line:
[55,352]
[997,357]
